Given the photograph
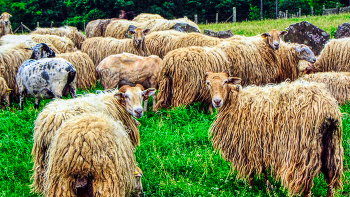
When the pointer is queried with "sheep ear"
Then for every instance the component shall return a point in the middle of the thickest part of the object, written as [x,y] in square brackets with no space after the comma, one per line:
[1,17]
[206,75]
[233,80]
[149,92]
[265,35]
[10,15]
[282,33]
[227,72]
[300,48]
[120,96]
[146,31]
[131,32]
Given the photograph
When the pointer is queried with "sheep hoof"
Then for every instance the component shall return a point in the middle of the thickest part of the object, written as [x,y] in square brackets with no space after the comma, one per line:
[269,187]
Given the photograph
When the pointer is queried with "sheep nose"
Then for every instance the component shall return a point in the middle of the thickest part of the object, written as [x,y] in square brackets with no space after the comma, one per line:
[138,112]
[217,101]
[314,59]
[277,45]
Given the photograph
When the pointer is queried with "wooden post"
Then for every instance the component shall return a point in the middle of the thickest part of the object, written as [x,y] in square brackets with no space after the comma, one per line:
[37,24]
[312,11]
[337,7]
[22,27]
[234,14]
[84,26]
[299,12]
[261,10]
[67,23]
[280,14]
[323,8]
[276,9]
[51,24]
[206,22]
[195,18]
[217,17]
[286,14]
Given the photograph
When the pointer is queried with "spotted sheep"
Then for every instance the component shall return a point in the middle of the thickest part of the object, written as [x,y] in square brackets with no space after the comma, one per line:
[44,77]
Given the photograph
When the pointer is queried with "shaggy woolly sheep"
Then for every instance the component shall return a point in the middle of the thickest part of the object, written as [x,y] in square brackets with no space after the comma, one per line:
[5,24]
[157,42]
[59,111]
[4,93]
[91,155]
[71,32]
[99,48]
[143,17]
[86,74]
[118,28]
[294,129]
[97,28]
[164,24]
[337,83]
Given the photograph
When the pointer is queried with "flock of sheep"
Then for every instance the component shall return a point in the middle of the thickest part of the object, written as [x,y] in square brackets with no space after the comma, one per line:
[274,112]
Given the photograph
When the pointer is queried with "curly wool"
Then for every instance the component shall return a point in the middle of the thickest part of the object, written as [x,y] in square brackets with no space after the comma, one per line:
[158,42]
[97,28]
[86,74]
[284,128]
[91,145]
[118,28]
[337,83]
[58,111]
[164,24]
[146,17]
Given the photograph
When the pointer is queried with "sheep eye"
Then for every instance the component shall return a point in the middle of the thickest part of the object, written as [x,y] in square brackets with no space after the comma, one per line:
[126,96]
[207,83]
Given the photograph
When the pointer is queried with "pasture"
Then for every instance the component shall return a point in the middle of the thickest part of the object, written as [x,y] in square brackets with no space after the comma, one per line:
[175,155]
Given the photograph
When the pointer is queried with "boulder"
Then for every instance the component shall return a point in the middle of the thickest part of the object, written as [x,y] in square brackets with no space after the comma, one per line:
[184,27]
[219,34]
[343,31]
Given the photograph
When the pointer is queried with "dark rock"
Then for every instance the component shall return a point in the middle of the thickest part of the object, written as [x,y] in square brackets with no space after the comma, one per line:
[308,34]
[219,34]
[343,31]
[184,27]
[131,27]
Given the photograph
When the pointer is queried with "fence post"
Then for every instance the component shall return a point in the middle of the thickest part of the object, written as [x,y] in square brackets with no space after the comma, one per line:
[37,24]
[206,22]
[22,27]
[217,17]
[299,12]
[51,24]
[234,14]
[337,7]
[84,26]
[312,11]
[67,23]
[195,18]
[280,14]
[323,8]
[286,14]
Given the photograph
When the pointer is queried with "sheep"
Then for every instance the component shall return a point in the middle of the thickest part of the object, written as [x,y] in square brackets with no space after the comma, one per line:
[5,24]
[4,93]
[337,83]
[99,48]
[119,28]
[70,32]
[146,17]
[164,24]
[11,58]
[157,42]
[58,111]
[86,75]
[45,78]
[97,28]
[334,56]
[294,129]
[126,15]
[91,155]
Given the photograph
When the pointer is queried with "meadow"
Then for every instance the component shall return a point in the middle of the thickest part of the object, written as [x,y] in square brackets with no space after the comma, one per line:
[175,155]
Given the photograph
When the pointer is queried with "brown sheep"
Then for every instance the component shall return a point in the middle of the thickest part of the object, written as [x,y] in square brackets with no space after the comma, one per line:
[91,155]
[294,129]
[4,93]
[99,48]
[5,24]
[59,111]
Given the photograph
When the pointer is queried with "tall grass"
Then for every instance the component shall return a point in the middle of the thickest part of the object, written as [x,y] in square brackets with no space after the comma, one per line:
[175,155]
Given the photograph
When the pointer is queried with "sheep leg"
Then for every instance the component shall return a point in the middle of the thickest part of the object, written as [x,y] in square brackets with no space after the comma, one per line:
[251,180]
[145,105]
[154,97]
[21,97]
[266,178]
[7,101]
[210,109]
[37,103]
[72,91]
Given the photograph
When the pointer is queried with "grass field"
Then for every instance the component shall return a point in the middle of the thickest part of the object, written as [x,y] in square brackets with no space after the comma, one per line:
[175,153]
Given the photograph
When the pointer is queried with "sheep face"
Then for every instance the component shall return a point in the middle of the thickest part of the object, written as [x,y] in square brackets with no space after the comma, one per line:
[132,97]
[305,53]
[138,183]
[42,51]
[5,18]
[138,35]
[216,83]
[273,38]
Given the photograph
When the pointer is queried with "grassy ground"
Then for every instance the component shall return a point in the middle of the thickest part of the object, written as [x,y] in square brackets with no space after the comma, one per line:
[175,154]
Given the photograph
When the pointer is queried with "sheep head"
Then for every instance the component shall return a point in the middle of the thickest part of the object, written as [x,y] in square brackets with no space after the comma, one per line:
[138,183]
[310,70]
[42,51]
[273,38]
[217,85]
[5,18]
[305,53]
[138,35]
[132,97]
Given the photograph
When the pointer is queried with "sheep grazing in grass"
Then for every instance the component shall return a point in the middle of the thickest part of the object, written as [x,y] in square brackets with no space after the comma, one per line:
[4,93]
[91,155]
[99,48]
[132,98]
[86,74]
[146,17]
[335,56]
[5,24]
[45,78]
[294,129]
[59,111]
[337,83]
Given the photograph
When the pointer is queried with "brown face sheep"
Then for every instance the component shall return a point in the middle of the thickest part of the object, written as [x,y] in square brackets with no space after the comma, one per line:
[59,111]
[5,24]
[91,155]
[128,69]
[132,97]
[294,129]
[273,38]
[4,93]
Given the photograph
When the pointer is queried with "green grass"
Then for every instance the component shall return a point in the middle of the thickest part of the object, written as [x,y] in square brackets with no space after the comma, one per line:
[175,154]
